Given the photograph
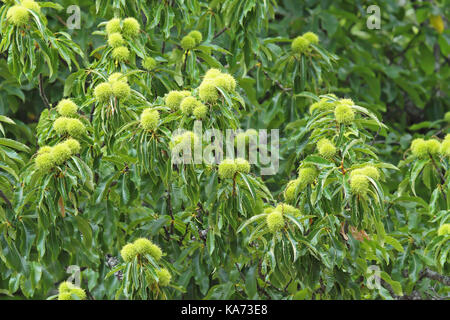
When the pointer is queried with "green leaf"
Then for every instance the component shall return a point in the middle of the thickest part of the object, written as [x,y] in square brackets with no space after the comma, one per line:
[210,241]
[14,144]
[250,282]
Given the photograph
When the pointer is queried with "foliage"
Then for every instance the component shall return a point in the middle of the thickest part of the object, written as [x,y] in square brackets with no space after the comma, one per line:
[92,119]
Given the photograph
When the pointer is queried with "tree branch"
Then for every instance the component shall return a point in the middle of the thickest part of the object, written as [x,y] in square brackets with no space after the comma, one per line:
[240,272]
[276,82]
[416,295]
[427,273]
[401,53]
[437,169]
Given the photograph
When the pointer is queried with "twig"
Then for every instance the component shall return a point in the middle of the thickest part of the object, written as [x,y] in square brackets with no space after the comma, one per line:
[286,287]
[42,92]
[200,206]
[61,20]
[3,196]
[91,115]
[401,53]
[240,272]
[167,233]
[437,296]
[169,206]
[415,295]
[180,241]
[91,297]
[260,288]
[266,96]
[276,82]
[263,278]
[389,288]
[437,169]
[375,137]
